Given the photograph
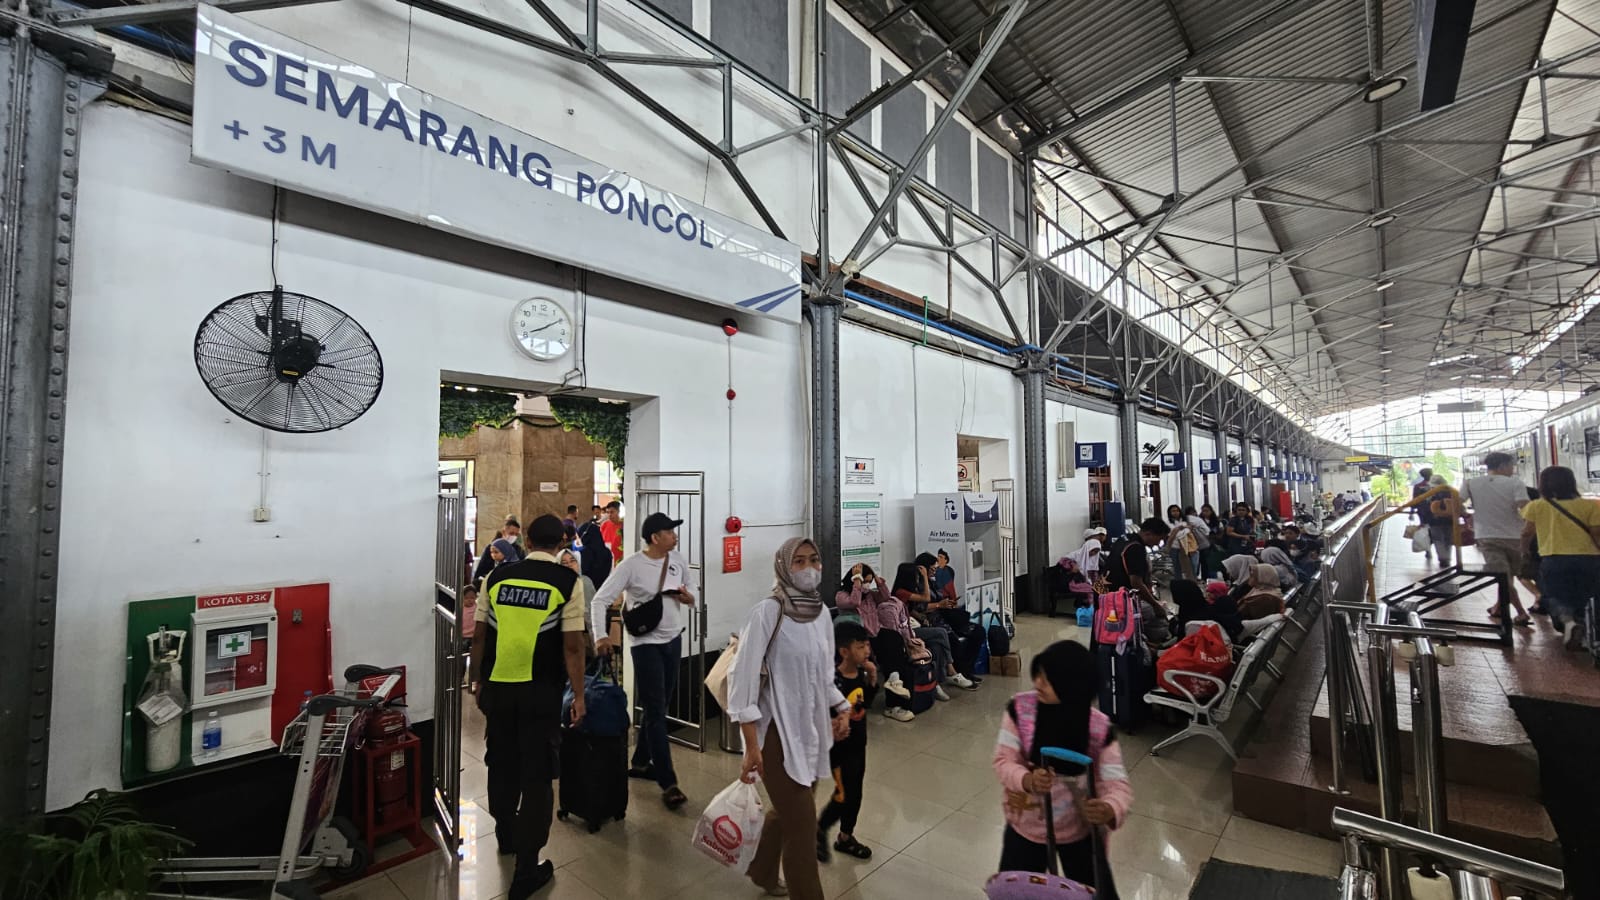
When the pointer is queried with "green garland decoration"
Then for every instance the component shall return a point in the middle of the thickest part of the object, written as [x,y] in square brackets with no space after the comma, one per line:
[460,412]
[605,424]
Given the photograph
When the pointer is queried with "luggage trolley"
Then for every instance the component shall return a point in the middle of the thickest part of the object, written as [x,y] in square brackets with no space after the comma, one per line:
[320,738]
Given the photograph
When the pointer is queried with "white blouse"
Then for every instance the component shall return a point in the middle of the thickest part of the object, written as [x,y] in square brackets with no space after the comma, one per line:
[798,695]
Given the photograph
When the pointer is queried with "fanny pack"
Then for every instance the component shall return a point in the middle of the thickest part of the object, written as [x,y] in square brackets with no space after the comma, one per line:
[642,619]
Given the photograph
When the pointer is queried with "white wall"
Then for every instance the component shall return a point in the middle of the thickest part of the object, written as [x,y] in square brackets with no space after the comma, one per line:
[904,405]
[161,479]
[1069,505]
[1152,433]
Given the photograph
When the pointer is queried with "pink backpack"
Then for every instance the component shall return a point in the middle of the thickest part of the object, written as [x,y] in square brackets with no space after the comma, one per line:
[1116,619]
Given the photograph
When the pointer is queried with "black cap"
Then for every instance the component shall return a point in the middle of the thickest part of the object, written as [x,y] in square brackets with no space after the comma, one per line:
[657,522]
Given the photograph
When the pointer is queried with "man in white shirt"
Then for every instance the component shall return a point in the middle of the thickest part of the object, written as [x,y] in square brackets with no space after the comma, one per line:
[656,654]
[1497,500]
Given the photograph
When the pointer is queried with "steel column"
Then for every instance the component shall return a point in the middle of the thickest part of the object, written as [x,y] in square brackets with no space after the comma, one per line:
[1036,477]
[47,85]
[1129,460]
[1248,460]
[1221,503]
[1186,491]
[824,313]
[824,310]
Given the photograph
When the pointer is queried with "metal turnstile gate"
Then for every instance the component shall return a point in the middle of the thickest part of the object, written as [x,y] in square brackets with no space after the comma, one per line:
[449,573]
[681,495]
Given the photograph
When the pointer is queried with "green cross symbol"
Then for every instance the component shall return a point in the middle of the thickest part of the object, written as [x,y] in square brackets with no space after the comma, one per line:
[234,643]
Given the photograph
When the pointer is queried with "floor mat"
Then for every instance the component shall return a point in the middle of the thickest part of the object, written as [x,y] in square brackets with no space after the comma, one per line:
[1223,880]
[1567,739]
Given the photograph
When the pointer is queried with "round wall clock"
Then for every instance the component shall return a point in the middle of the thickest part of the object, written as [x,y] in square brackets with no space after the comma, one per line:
[542,328]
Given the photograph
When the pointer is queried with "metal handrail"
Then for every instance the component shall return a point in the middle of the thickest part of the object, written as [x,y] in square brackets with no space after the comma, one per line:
[1369,548]
[1448,853]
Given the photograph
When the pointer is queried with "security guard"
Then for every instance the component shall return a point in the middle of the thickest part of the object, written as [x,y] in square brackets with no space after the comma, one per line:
[529,646]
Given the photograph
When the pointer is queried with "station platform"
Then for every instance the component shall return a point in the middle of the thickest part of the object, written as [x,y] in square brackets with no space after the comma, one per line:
[1497,790]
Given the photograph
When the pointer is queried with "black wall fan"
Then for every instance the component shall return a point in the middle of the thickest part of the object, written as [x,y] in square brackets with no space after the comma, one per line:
[288,362]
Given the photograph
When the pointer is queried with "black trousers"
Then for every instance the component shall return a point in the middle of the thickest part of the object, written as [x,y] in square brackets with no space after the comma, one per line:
[849,762]
[523,753]
[1018,854]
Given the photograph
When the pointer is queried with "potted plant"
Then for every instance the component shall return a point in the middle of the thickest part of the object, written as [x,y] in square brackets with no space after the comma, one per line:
[96,849]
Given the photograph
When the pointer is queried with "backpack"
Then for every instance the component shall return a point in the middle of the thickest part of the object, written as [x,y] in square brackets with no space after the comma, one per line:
[1443,507]
[999,638]
[1116,619]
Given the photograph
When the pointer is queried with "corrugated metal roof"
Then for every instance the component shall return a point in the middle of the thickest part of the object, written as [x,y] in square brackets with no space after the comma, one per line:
[1275,137]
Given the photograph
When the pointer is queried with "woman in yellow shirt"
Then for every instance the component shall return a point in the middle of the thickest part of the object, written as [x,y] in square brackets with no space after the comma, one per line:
[1568,528]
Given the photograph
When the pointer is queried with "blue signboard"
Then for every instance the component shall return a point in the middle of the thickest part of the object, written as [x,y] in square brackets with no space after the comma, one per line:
[1255,471]
[1092,456]
[1210,466]
[1277,474]
[1236,471]
[1174,462]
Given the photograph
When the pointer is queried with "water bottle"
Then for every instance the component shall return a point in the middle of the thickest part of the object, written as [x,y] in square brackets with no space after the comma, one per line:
[211,736]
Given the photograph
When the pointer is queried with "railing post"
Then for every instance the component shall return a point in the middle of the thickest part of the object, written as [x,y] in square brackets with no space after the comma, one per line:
[1386,739]
[1427,732]
[1338,645]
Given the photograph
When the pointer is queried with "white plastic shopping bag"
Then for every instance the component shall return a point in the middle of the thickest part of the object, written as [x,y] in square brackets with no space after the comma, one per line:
[1421,540]
[730,828]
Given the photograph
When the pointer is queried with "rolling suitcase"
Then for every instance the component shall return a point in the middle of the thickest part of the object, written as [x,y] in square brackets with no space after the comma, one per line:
[1124,678]
[594,778]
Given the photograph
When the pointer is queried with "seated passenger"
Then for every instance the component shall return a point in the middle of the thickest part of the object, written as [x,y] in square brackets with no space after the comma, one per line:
[911,587]
[883,615]
[1263,597]
[1238,568]
[1276,557]
[1197,605]
[1305,550]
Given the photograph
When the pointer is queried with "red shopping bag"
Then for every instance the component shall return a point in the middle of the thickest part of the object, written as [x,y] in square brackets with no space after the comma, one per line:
[1207,652]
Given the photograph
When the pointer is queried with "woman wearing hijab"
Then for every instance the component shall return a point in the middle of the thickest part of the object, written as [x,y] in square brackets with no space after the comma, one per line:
[1198,605]
[1087,558]
[1185,564]
[781,692]
[1263,597]
[1277,558]
[1238,568]
[1058,713]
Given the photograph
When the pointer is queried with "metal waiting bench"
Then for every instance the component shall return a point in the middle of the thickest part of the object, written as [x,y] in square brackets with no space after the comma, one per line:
[1206,717]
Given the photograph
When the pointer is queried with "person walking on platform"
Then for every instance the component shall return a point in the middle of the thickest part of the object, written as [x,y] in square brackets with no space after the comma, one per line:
[1444,511]
[527,647]
[1567,526]
[658,577]
[790,711]
[1497,500]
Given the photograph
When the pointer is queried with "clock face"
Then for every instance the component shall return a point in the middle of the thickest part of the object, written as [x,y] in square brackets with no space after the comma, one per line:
[542,328]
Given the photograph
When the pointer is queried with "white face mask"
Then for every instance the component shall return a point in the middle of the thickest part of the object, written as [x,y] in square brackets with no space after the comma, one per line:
[807,579]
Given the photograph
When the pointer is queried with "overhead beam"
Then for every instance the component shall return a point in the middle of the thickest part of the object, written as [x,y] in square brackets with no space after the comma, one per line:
[1441,27]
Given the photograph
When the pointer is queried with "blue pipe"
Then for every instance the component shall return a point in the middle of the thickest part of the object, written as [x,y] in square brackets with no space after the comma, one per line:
[149,40]
[937,326]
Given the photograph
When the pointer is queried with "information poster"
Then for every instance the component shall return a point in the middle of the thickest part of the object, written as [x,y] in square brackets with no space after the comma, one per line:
[861,518]
[858,470]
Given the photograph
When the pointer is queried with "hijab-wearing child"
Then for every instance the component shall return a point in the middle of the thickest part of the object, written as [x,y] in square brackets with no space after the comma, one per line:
[1058,712]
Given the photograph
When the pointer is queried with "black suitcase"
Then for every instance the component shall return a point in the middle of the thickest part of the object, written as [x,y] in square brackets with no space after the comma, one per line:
[594,778]
[1124,680]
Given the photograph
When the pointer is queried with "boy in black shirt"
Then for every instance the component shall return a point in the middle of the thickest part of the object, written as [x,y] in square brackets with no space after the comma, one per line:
[857,678]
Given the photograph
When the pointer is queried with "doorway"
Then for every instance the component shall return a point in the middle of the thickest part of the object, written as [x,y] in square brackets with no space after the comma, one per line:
[1099,494]
[505,452]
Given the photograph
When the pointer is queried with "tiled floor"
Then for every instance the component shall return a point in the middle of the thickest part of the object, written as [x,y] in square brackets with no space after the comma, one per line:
[932,818]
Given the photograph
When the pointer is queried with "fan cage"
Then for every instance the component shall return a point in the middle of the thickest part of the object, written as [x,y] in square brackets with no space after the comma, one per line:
[234,355]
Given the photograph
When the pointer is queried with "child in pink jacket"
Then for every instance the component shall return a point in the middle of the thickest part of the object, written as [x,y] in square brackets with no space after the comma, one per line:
[1058,713]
